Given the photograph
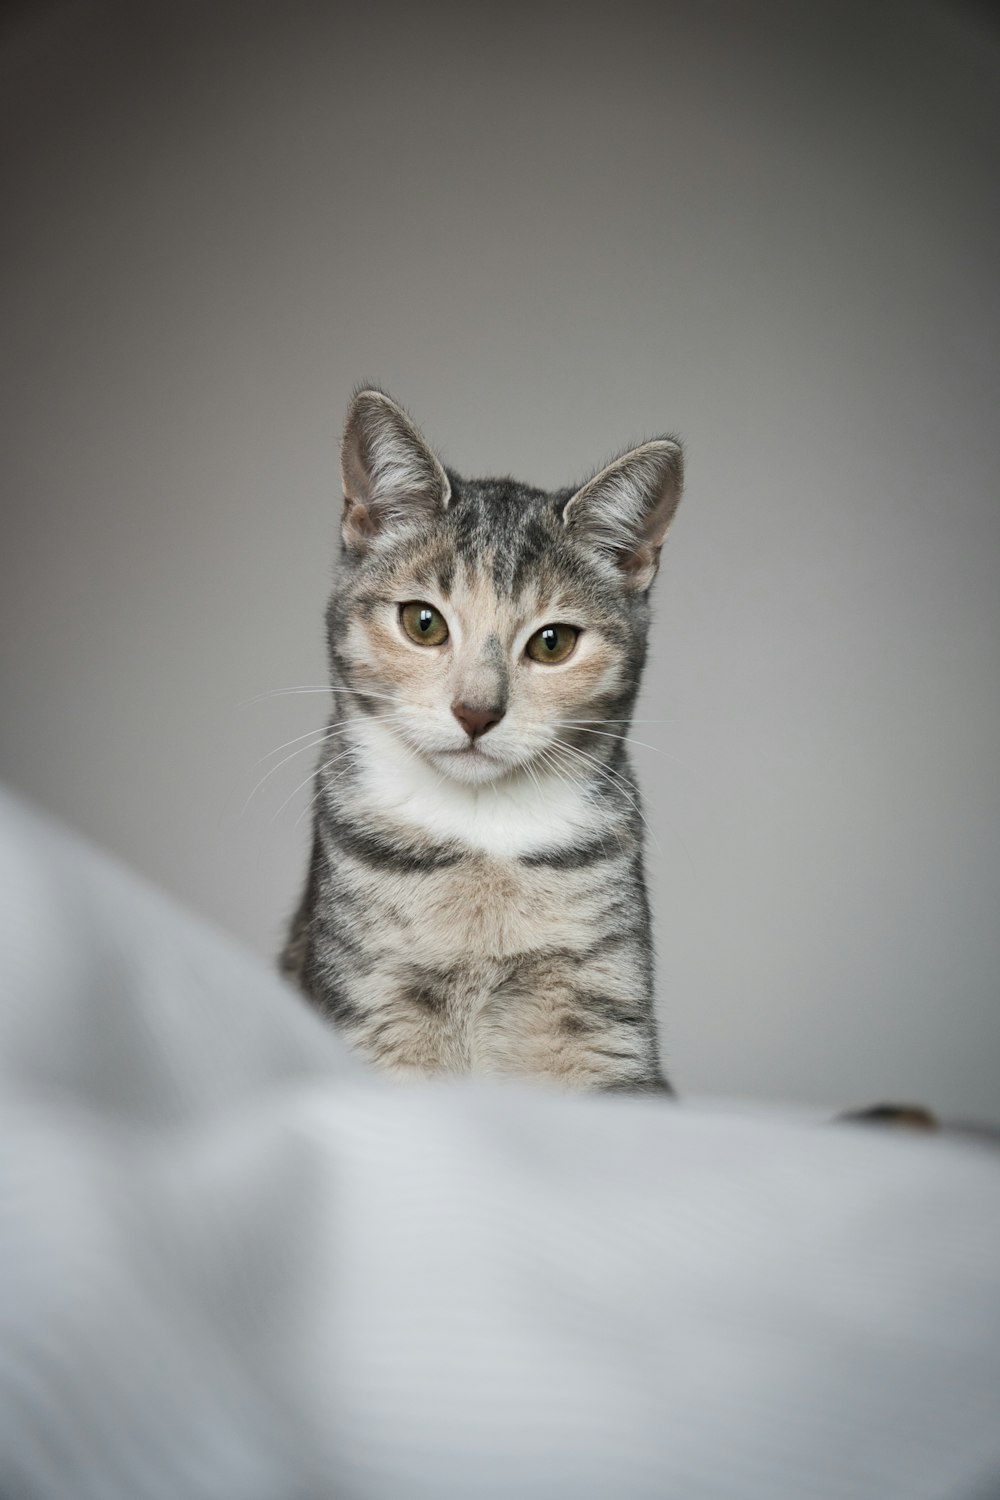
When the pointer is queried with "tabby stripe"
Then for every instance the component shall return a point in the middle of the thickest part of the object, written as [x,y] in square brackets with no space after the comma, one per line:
[622,937]
[643,1083]
[609,1009]
[626,937]
[573,856]
[324,989]
[372,849]
[332,928]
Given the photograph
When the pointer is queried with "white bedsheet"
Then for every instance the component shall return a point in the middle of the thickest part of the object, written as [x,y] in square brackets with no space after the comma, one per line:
[234,1264]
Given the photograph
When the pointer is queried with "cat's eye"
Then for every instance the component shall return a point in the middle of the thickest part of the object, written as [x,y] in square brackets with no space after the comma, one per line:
[423,623]
[552,644]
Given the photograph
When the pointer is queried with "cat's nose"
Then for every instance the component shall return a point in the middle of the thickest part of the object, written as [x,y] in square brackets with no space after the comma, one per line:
[476,721]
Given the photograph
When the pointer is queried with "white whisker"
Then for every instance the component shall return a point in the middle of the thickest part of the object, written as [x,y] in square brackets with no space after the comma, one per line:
[281,693]
[625,739]
[326,785]
[628,791]
[326,765]
[549,760]
[626,785]
[319,735]
[529,769]
[368,693]
[329,728]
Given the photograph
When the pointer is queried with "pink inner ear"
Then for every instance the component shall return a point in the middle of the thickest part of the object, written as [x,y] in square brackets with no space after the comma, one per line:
[354,468]
[654,527]
[627,507]
[386,465]
[357,524]
[638,561]
[361,519]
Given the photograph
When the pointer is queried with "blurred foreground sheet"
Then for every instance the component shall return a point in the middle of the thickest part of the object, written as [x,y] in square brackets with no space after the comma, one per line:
[234,1265]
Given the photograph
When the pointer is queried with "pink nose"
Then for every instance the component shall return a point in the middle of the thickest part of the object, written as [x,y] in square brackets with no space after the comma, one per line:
[476,721]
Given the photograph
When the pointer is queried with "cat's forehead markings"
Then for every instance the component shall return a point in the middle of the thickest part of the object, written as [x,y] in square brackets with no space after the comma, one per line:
[503,527]
[446,576]
[415,569]
[493,652]
[480,606]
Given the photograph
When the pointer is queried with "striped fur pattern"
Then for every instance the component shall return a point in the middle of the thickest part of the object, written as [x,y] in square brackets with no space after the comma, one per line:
[475,900]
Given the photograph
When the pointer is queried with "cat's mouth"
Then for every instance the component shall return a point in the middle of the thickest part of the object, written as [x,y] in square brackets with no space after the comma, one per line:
[471,762]
[467,754]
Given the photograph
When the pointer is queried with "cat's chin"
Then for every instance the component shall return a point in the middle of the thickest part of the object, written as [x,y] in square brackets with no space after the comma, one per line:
[472,766]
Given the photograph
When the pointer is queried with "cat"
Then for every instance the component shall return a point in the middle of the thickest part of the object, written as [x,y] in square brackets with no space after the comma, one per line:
[476,898]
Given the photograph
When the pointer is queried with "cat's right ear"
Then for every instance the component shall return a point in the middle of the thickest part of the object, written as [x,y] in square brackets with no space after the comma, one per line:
[390,474]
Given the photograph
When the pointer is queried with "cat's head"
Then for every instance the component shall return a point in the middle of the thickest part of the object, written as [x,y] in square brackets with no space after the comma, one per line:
[484,622]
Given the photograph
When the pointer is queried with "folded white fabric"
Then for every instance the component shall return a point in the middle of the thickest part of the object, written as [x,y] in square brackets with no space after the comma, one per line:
[233,1264]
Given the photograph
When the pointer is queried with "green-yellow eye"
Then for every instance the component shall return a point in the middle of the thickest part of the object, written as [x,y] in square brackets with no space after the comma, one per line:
[551,644]
[423,624]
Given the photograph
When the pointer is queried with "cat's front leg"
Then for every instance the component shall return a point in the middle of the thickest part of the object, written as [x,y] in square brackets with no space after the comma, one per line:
[563,1023]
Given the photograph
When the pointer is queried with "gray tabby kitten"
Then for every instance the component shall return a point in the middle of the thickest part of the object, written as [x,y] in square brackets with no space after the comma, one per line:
[475,899]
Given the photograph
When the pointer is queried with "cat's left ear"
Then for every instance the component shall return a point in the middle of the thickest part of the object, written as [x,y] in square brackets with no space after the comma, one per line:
[390,474]
[624,511]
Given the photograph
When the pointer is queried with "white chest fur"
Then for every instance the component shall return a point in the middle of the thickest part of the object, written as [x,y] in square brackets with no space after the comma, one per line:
[507,819]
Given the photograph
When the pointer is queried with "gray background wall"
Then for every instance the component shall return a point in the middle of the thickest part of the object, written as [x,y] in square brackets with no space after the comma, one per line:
[770,227]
